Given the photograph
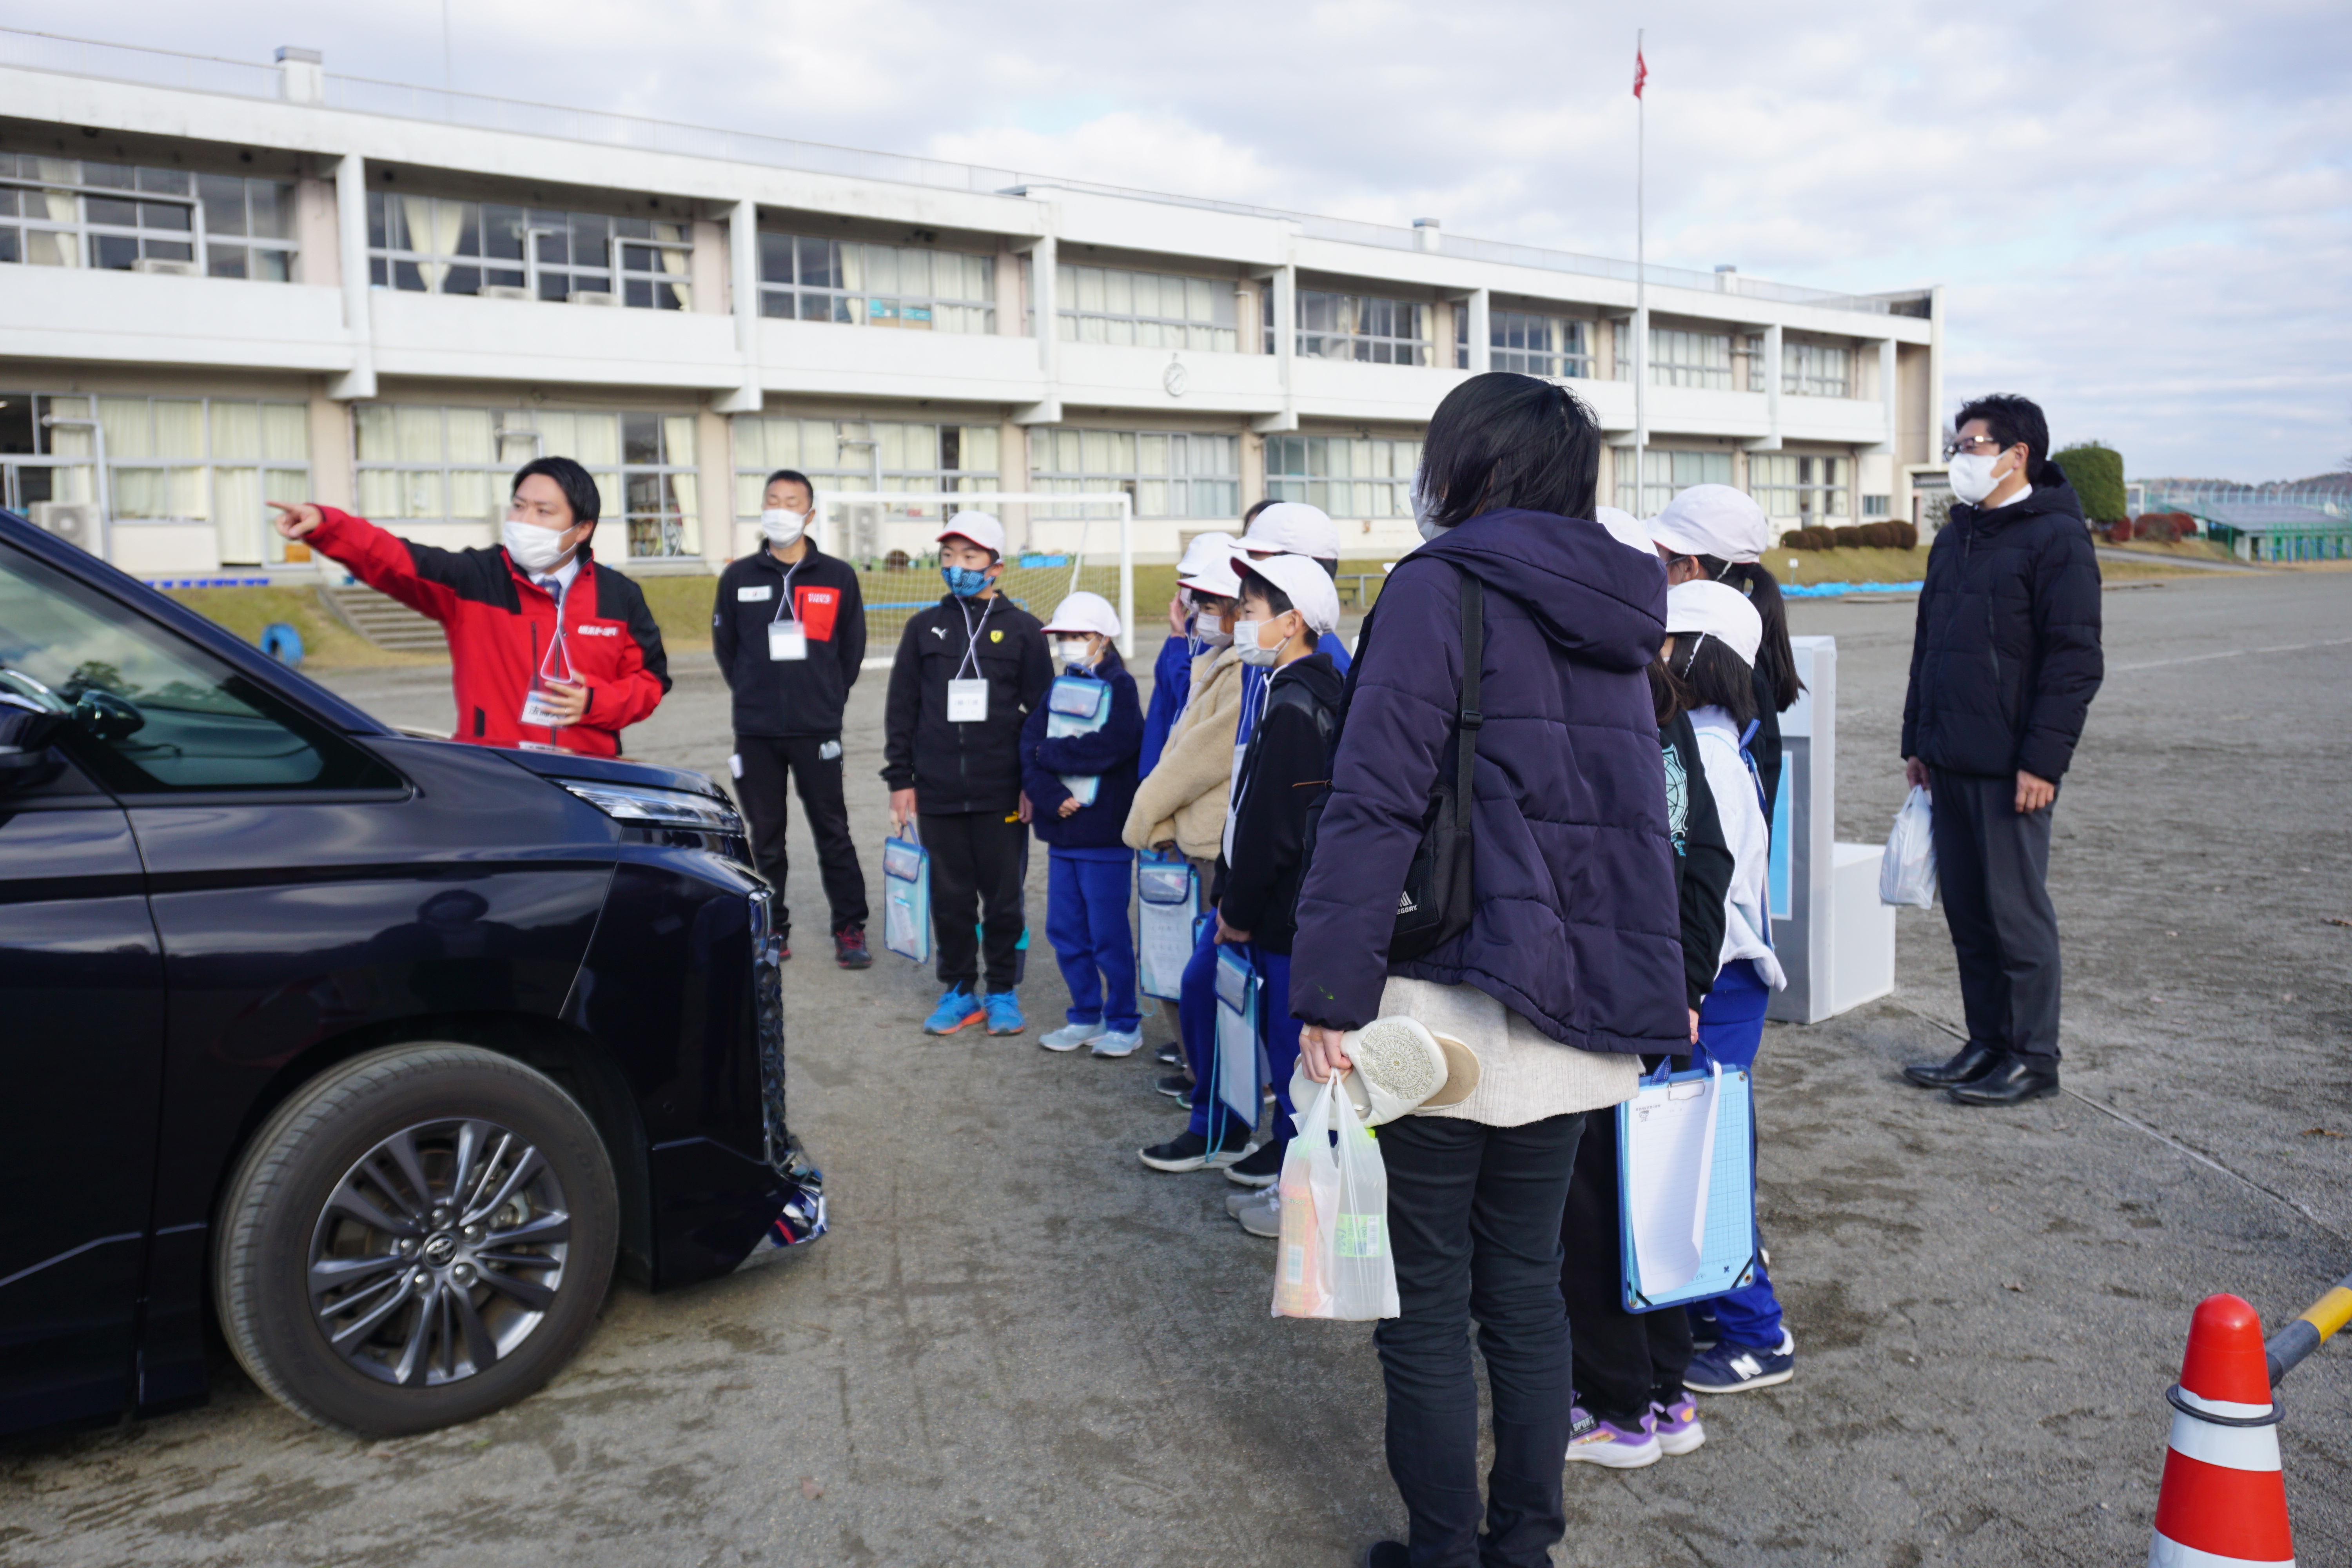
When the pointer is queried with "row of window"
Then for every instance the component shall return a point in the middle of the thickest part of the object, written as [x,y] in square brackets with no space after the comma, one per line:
[1784,484]
[431,245]
[902,286]
[1704,359]
[73,212]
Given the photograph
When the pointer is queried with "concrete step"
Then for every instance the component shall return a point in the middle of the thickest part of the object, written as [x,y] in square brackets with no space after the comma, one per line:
[383,619]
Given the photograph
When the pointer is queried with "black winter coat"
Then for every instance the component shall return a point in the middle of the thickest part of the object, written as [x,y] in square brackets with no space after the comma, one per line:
[802,696]
[954,768]
[2006,658]
[1286,765]
[1703,861]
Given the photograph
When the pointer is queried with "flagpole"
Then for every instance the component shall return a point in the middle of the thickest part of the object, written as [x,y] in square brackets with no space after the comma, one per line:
[1640,322]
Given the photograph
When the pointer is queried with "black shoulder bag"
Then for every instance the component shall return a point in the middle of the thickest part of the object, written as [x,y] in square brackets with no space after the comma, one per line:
[1436,903]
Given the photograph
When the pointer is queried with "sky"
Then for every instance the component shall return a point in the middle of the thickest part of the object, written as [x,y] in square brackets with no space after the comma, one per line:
[2141,214]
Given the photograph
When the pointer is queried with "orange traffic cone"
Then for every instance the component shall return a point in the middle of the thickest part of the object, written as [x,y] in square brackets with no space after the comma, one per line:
[2223,1499]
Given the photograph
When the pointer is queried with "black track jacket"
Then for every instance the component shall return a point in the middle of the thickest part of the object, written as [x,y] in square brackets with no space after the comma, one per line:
[953,767]
[802,696]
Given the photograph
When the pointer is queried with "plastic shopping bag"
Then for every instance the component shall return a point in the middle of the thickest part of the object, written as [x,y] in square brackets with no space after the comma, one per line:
[1906,873]
[1333,1259]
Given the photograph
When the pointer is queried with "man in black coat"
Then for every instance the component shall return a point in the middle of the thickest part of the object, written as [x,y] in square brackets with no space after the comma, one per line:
[2004,664]
[789,630]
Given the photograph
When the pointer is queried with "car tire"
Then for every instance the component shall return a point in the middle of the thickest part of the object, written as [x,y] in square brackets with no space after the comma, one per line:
[416,1237]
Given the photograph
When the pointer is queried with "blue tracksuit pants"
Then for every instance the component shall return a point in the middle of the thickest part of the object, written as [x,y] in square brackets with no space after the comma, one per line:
[1730,1029]
[1196,1013]
[1087,894]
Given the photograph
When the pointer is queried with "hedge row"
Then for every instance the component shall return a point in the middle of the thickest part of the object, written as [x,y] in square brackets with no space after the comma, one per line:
[2163,527]
[1869,535]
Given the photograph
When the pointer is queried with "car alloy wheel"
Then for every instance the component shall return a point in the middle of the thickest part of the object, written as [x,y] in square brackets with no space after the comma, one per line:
[438,1253]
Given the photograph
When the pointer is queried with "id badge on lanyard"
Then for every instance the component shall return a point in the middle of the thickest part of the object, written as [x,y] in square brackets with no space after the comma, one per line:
[537,712]
[787,641]
[968,694]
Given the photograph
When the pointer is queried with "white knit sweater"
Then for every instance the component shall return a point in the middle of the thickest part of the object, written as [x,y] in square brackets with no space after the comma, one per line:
[1524,1075]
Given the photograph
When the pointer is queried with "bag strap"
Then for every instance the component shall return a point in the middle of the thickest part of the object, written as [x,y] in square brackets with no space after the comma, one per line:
[1471,719]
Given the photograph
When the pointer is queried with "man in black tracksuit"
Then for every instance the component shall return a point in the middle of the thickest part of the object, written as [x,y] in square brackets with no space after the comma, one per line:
[789,630]
[969,670]
[2004,664]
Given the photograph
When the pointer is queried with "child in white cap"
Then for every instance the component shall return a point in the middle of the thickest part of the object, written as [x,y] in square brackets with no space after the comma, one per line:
[1077,767]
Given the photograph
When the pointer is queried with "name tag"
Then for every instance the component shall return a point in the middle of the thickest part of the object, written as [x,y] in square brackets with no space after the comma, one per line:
[786,640]
[966,701]
[536,711]
[755,596]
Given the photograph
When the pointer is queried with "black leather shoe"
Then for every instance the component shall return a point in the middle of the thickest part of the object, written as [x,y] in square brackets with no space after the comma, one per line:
[2013,1082]
[1973,1063]
[1386,1555]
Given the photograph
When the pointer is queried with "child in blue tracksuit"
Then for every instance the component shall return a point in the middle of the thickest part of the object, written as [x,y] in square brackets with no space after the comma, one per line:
[1078,751]
[1713,634]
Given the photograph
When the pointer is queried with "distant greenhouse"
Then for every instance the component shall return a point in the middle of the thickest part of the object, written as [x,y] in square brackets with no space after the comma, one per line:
[2295,520]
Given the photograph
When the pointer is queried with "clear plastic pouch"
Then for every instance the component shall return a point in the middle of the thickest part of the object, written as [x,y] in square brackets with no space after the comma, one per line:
[907,900]
[1333,1259]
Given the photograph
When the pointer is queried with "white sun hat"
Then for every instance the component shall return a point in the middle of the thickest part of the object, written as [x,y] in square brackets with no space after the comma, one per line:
[1294,528]
[1208,566]
[1718,610]
[1084,612]
[978,527]
[1626,529]
[1713,520]
[1309,588]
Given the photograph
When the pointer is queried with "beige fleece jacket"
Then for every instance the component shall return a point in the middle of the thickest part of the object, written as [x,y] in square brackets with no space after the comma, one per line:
[1183,798]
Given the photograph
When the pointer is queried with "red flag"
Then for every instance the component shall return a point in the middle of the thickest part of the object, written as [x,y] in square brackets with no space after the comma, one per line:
[1641,72]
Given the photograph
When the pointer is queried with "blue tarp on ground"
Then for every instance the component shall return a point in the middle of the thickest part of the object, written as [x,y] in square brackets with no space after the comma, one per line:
[1830,590]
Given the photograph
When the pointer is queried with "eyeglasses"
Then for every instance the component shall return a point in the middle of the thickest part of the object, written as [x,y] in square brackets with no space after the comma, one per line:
[1974,445]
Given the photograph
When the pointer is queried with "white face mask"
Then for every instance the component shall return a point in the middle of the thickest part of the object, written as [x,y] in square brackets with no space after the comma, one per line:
[782,527]
[1073,650]
[1246,634]
[1972,476]
[1210,632]
[1421,507]
[536,549]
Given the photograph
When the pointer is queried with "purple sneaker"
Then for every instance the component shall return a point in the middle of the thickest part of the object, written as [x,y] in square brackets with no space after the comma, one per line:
[1600,1442]
[1677,1425]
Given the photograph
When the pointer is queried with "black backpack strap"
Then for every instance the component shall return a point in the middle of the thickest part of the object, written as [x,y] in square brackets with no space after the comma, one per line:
[1471,719]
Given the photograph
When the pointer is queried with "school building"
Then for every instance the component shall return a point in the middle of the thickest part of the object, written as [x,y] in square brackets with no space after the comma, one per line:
[225,281]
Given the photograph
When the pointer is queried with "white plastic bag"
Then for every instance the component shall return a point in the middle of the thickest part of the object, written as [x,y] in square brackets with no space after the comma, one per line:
[1906,873]
[1333,1259]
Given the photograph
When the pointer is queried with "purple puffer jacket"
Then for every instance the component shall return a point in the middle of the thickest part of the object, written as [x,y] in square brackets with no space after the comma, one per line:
[1576,929]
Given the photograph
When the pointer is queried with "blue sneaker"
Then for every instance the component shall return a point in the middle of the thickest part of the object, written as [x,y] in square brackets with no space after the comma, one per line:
[1735,1369]
[1004,1014]
[956,1009]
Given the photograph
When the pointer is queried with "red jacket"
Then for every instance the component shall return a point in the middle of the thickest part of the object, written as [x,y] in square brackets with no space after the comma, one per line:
[501,626]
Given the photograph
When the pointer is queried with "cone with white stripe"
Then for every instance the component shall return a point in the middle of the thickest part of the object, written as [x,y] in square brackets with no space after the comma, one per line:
[2223,1499]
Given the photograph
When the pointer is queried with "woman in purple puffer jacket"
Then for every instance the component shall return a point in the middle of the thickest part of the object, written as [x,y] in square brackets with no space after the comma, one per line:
[1572,964]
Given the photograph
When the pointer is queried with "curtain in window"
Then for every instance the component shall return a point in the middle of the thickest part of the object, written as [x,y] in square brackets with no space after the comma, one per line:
[419,431]
[180,429]
[674,264]
[237,503]
[141,492]
[130,433]
[687,495]
[471,439]
[376,436]
[286,432]
[677,440]
[475,493]
[378,493]
[237,434]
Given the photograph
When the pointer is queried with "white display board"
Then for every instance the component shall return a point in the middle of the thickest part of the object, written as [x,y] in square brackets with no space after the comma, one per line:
[1834,939]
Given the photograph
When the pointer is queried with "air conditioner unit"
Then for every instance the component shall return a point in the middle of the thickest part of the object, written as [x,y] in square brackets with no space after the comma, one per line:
[504,291]
[168,269]
[591,296]
[77,522]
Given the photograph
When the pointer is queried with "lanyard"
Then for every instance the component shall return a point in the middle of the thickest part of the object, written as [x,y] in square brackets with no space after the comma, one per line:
[971,644]
[556,644]
[785,597]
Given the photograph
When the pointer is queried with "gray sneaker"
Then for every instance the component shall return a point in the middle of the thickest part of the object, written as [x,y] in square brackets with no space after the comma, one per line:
[1260,1212]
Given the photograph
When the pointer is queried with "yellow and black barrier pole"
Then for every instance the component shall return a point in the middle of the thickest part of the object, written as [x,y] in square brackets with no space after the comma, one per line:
[2309,1332]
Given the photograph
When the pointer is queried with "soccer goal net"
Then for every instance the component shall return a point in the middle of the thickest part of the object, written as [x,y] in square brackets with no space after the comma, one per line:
[1055,544]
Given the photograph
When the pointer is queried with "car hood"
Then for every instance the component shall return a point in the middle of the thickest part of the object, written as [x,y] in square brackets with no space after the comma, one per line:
[607,770]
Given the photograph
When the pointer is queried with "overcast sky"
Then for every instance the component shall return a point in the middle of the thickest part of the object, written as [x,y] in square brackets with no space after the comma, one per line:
[2142,213]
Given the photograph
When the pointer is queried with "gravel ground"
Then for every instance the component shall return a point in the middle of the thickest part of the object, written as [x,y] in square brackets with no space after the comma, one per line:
[1019,1347]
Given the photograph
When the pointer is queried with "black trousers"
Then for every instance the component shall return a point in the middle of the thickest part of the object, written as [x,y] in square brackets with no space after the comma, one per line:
[767,760]
[1473,1222]
[1623,1360]
[976,881]
[1993,867]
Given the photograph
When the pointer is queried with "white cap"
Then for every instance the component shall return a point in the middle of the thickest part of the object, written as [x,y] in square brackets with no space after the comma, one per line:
[1310,589]
[1718,610]
[1294,528]
[1713,520]
[1084,612]
[1626,529]
[1208,566]
[978,527]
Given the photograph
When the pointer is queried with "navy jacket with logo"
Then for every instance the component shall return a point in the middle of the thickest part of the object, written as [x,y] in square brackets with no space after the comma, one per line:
[964,767]
[797,697]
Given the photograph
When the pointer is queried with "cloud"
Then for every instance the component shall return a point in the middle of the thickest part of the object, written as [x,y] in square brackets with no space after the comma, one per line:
[2142,213]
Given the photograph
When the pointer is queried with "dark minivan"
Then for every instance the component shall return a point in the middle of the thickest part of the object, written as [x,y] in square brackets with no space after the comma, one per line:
[376,1051]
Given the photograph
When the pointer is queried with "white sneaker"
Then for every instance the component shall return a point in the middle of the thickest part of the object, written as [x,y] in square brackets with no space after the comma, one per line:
[1260,1213]
[1070,1037]
[1118,1042]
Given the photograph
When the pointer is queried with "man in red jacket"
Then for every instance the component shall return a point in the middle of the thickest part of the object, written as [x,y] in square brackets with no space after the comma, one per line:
[546,647]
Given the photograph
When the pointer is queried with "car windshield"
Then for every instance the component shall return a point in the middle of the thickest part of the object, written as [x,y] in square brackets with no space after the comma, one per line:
[152,712]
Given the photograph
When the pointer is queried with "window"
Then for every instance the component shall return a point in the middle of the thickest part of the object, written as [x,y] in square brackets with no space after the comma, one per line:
[431,245]
[1529,343]
[1816,370]
[1166,475]
[1878,506]
[456,465]
[67,212]
[173,717]
[898,286]
[1811,489]
[1346,476]
[843,455]
[1664,475]
[1357,327]
[1148,310]
[46,462]
[1678,358]
[217,460]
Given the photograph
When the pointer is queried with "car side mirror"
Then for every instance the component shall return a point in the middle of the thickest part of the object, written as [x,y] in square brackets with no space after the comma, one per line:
[106,717]
[25,737]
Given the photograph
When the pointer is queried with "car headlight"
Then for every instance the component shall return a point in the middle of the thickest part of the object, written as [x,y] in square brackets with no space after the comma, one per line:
[657,807]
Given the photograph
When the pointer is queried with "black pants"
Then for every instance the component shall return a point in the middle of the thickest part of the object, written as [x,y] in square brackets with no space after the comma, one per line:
[766,760]
[1474,1220]
[1993,867]
[976,881]
[1623,1360]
